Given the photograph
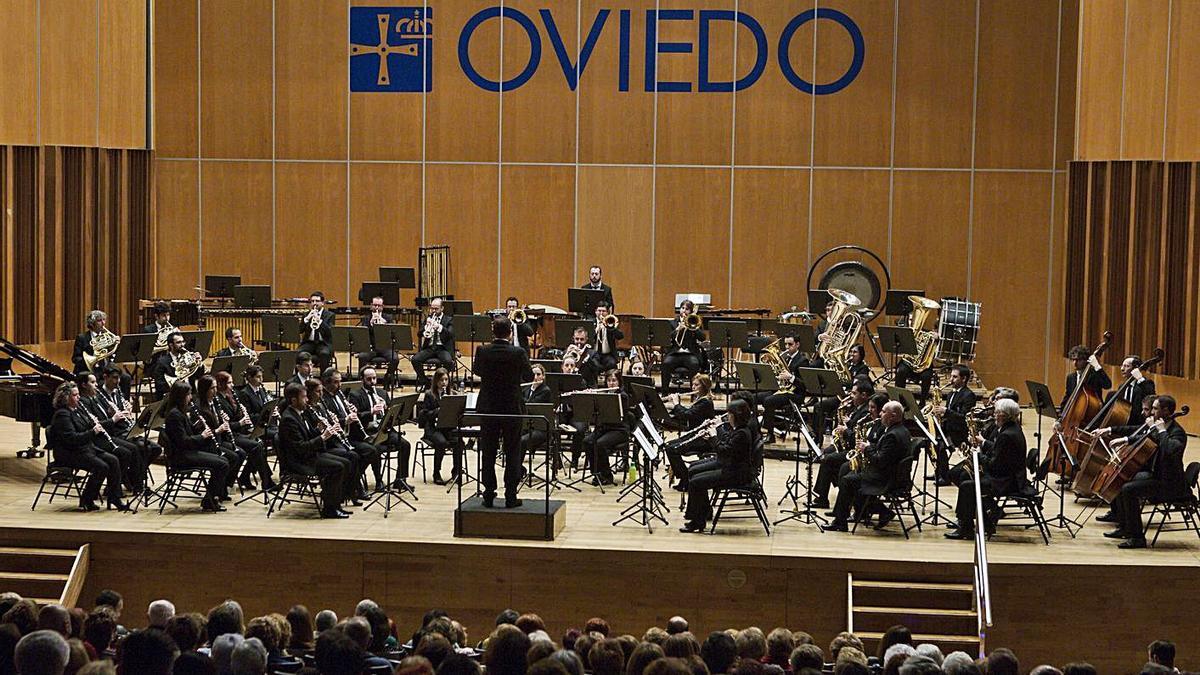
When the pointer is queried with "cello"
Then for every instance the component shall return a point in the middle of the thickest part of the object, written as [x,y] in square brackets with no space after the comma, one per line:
[1082,405]
[1129,460]
[1115,413]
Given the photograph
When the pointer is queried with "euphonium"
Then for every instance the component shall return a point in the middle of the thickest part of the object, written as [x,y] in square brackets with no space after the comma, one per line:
[844,324]
[926,340]
[693,321]
[103,346]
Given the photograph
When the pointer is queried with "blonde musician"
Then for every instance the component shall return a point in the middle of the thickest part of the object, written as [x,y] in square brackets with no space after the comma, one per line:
[683,356]
[316,330]
[689,417]
[604,356]
[437,343]
[524,330]
[241,426]
[380,349]
[372,403]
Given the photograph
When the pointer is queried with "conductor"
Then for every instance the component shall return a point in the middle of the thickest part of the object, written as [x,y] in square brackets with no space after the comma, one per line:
[501,367]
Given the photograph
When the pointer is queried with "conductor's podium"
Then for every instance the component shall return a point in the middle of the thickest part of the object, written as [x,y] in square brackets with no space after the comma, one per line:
[537,519]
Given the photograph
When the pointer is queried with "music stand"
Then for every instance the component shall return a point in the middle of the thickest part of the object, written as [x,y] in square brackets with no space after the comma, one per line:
[897,341]
[280,330]
[651,332]
[220,285]
[234,365]
[897,303]
[565,328]
[398,337]
[548,365]
[630,380]
[932,432]
[450,416]
[818,299]
[406,277]
[264,415]
[457,307]
[390,292]
[252,296]
[400,410]
[198,341]
[353,340]
[756,377]
[648,396]
[583,301]
[135,348]
[546,411]
[474,328]
[650,504]
[278,366]
[564,383]
[598,409]
[806,335]
[727,335]
[1043,403]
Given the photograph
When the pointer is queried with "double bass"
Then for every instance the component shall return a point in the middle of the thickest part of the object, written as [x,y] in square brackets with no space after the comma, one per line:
[1128,461]
[1082,406]
[1115,413]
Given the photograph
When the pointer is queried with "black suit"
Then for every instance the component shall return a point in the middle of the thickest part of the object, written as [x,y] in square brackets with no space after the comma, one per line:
[532,439]
[1096,381]
[301,451]
[441,438]
[880,472]
[319,343]
[83,345]
[132,458]
[1001,472]
[255,402]
[732,466]
[604,357]
[832,460]
[379,348]
[683,356]
[336,403]
[1162,478]
[524,333]
[608,296]
[605,439]
[74,444]
[959,404]
[1133,393]
[225,445]
[394,442]
[772,401]
[163,365]
[253,448]
[187,449]
[439,348]
[501,367]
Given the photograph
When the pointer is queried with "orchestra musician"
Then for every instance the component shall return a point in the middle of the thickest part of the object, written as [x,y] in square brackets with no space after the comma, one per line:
[255,397]
[301,451]
[234,345]
[862,410]
[525,328]
[336,445]
[604,357]
[223,441]
[595,282]
[372,402]
[537,392]
[350,419]
[637,368]
[1162,479]
[1001,470]
[441,439]
[690,417]
[567,415]
[683,356]
[733,465]
[581,352]
[437,343]
[191,445]
[164,363]
[75,439]
[791,389]
[856,361]
[906,374]
[161,311]
[881,458]
[1087,366]
[501,366]
[133,466]
[241,428]
[96,324]
[118,399]
[316,330]
[953,413]
[1141,388]
[304,369]
[374,317]
[605,438]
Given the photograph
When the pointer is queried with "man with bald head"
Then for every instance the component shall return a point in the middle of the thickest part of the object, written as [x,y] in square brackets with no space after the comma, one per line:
[676,625]
[881,459]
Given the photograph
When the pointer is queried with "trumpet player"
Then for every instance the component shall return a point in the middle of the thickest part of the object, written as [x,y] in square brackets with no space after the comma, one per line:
[379,349]
[165,363]
[607,331]
[683,356]
[351,420]
[861,408]
[316,330]
[523,329]
[241,428]
[437,343]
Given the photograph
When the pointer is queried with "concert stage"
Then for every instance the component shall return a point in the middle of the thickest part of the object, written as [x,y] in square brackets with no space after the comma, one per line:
[1074,599]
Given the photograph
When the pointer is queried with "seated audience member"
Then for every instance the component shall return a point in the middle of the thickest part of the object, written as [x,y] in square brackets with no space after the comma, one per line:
[23,615]
[187,630]
[325,620]
[56,618]
[248,658]
[221,650]
[569,660]
[806,656]
[159,613]
[41,652]
[147,652]
[670,666]
[676,624]
[848,667]
[225,618]
[435,647]
[302,630]
[932,651]
[779,647]
[916,664]
[506,651]
[1162,652]
[642,656]
[957,663]
[606,657]
[893,636]
[655,635]
[596,625]
[414,665]
[338,654]
[719,652]
[457,664]
[359,629]
[1002,662]
[547,666]
[100,630]
[1045,669]
[267,631]
[194,663]
[1079,669]
[679,646]
[539,649]
[849,653]
[895,656]
[529,623]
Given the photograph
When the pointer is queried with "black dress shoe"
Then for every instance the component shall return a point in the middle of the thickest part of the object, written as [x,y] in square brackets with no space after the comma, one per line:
[489,502]
[943,482]
[960,534]
[118,505]
[438,480]
[680,487]
[887,517]
[344,512]
[337,515]
[1116,534]
[88,506]
[830,513]
[691,528]
[820,503]
[1109,517]
[1139,542]
[211,506]
[512,503]
[837,526]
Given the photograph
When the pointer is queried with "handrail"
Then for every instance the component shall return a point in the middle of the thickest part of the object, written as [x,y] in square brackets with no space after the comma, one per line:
[79,570]
[849,602]
[983,593]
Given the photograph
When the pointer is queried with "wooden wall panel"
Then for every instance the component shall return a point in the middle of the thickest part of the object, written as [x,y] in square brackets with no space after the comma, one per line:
[461,120]
[123,74]
[1068,67]
[236,233]
[615,126]
[176,90]
[385,221]
[774,119]
[770,238]
[311,80]
[1101,55]
[461,211]
[1055,295]
[691,236]
[1145,82]
[178,232]
[615,230]
[69,74]
[235,79]
[853,127]
[849,207]
[384,126]
[537,233]
[935,71]
[694,128]
[539,117]
[1008,282]
[1014,124]
[19,77]
[1183,84]
[310,229]
[923,201]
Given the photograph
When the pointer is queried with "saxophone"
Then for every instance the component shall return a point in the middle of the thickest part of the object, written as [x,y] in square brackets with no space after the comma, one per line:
[856,457]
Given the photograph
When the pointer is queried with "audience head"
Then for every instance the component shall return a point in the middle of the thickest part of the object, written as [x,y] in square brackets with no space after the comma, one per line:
[506,650]
[266,631]
[459,664]
[569,660]
[338,654]
[100,627]
[359,630]
[23,615]
[844,639]
[583,645]
[719,652]
[895,656]
[42,652]
[668,666]
[435,647]
[55,618]
[225,618]
[917,664]
[159,613]
[508,616]
[380,629]
[806,656]
[676,624]
[751,644]
[641,657]
[110,598]
[606,657]
[249,658]
[956,662]
[1045,669]
[300,622]
[1002,662]
[539,649]
[655,635]
[1161,652]
[596,625]
[415,665]
[679,646]
[221,649]
[147,652]
[779,646]
[194,663]
[1079,669]
[547,666]
[325,620]
[849,667]
[894,636]
[854,654]
[529,623]
[187,630]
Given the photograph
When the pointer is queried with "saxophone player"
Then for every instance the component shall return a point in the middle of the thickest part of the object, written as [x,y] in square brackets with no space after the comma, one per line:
[683,356]
[378,349]
[952,413]
[316,330]
[859,411]
[604,357]
[437,343]
[894,445]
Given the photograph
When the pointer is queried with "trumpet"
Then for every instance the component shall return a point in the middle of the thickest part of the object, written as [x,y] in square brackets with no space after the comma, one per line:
[581,354]
[611,321]
[313,319]
[433,326]
[103,346]
[377,318]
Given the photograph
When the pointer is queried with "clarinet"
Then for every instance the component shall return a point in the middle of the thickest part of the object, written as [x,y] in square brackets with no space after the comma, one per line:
[103,432]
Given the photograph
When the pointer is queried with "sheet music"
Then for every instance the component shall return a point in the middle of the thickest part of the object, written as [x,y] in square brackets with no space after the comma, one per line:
[650,449]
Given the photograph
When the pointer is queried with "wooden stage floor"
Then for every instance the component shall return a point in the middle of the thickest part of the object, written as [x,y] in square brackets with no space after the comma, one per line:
[588,526]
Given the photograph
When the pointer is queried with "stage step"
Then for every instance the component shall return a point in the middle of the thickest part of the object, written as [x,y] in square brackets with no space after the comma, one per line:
[44,575]
[928,594]
[935,611]
[955,642]
[45,560]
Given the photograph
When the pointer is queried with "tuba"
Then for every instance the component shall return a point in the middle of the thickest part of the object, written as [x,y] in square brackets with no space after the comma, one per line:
[103,346]
[926,340]
[844,324]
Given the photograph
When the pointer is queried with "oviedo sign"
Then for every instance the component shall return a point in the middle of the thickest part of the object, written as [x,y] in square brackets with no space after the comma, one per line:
[391,48]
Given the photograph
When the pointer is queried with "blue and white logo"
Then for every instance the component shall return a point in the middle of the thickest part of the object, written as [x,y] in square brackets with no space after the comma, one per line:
[391,49]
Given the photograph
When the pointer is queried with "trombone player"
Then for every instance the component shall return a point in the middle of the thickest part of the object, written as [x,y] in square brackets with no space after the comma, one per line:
[683,356]
[523,327]
[95,347]
[607,331]
[316,330]
[372,318]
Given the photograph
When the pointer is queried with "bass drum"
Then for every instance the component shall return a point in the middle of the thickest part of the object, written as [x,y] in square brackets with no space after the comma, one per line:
[958,330]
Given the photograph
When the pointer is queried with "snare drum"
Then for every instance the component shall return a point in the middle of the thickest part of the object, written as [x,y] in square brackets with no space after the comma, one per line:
[958,330]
